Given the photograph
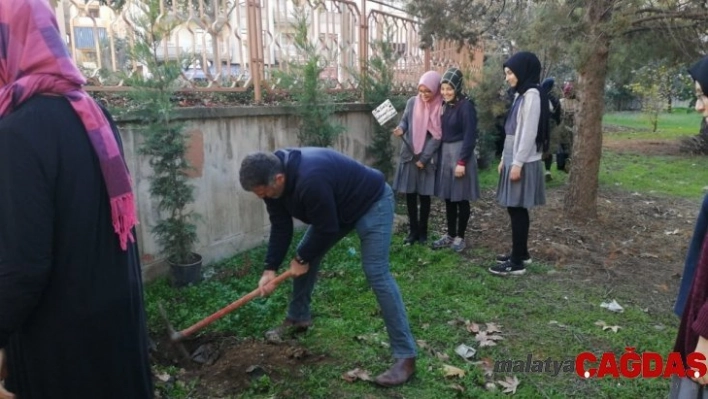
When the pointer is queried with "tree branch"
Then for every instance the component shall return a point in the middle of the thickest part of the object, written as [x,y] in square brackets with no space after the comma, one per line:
[663,28]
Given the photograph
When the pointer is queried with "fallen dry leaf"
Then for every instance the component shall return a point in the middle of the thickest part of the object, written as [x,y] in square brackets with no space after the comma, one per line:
[442,356]
[422,344]
[487,366]
[452,371]
[509,384]
[356,374]
[473,328]
[164,377]
[487,340]
[493,327]
[457,387]
[607,327]
[662,287]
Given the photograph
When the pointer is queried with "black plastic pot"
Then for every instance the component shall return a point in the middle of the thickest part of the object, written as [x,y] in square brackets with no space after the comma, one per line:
[184,275]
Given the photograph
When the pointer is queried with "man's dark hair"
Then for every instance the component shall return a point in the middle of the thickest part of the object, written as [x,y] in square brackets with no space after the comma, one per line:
[259,169]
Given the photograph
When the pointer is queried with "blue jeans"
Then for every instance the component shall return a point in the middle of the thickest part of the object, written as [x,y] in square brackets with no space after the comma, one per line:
[374,231]
[694,252]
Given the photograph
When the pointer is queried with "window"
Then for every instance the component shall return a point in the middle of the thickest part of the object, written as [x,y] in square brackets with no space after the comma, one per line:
[84,39]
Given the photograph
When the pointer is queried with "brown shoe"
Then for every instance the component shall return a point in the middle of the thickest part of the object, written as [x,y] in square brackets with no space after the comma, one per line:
[398,374]
[286,329]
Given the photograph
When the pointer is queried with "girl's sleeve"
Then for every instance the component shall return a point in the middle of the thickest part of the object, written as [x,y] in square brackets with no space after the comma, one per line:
[405,119]
[469,138]
[528,128]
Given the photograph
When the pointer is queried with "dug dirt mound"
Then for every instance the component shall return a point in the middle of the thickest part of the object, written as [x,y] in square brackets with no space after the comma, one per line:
[224,366]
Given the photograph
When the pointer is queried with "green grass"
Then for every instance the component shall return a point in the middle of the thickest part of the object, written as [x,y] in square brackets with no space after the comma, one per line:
[545,314]
[680,176]
[674,125]
[548,313]
[664,175]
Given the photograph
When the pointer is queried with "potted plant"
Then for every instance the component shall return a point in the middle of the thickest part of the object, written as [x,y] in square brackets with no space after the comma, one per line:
[165,143]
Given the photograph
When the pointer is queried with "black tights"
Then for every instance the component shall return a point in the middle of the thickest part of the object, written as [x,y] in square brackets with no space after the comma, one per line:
[519,233]
[418,224]
[458,215]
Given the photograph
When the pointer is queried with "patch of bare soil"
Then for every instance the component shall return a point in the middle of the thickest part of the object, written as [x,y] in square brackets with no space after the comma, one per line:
[228,366]
[643,146]
[637,242]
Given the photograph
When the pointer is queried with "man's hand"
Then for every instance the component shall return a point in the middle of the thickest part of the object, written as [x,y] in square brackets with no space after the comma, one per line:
[264,283]
[297,269]
[4,394]
[515,174]
[500,167]
[420,165]
[702,347]
[398,132]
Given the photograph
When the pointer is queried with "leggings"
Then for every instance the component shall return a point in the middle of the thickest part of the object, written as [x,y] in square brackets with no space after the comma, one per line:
[412,205]
[458,215]
[519,233]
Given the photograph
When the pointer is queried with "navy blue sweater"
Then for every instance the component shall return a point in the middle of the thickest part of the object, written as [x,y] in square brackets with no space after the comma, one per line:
[325,189]
[459,122]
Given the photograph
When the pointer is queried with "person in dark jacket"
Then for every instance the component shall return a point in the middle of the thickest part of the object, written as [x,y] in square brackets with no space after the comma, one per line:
[554,108]
[335,195]
[72,321]
[692,302]
[457,182]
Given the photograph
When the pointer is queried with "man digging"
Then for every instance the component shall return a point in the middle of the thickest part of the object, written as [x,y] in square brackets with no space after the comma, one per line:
[334,194]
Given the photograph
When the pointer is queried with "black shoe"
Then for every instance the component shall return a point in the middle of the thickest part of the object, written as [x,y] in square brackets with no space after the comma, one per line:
[508,268]
[506,258]
[423,234]
[411,239]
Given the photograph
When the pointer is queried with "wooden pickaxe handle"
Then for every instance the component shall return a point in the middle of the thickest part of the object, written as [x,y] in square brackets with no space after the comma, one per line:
[180,335]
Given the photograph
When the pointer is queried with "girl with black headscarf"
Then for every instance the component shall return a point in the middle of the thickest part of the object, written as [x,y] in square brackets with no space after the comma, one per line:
[521,174]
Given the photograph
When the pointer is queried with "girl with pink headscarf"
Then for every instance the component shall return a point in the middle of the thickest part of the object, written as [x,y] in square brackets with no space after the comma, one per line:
[420,131]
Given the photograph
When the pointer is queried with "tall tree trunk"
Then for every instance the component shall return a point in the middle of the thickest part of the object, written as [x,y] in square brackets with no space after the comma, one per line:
[581,197]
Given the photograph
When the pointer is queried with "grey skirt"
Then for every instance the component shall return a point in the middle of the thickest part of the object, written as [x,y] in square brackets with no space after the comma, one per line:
[530,191]
[409,179]
[449,187]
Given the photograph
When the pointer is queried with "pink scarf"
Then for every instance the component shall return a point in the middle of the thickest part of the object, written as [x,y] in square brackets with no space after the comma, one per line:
[34,60]
[426,115]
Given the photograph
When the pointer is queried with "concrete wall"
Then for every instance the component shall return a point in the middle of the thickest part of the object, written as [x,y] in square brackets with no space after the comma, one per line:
[232,220]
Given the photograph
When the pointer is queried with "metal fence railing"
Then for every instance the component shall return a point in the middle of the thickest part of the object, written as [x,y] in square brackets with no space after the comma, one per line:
[236,45]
